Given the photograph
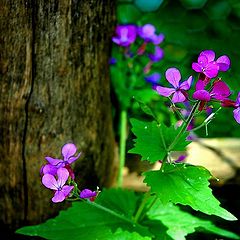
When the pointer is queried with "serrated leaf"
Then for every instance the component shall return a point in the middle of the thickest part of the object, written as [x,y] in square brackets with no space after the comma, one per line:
[92,220]
[153,140]
[181,223]
[125,235]
[187,185]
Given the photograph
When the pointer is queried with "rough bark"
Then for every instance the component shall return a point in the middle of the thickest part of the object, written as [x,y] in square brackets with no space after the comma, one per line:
[54,89]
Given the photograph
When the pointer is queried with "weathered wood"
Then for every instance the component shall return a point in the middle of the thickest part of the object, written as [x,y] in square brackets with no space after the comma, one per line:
[60,61]
[15,82]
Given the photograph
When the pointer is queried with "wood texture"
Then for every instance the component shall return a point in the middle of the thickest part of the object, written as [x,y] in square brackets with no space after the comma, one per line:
[54,89]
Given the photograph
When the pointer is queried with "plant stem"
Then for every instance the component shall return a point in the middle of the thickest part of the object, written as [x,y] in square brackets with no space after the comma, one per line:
[184,126]
[141,207]
[122,150]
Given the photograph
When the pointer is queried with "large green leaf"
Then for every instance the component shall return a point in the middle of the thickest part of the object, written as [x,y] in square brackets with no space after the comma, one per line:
[153,140]
[181,223]
[93,220]
[187,185]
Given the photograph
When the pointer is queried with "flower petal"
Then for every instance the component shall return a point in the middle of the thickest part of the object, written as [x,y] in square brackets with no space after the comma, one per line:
[202,95]
[220,90]
[54,161]
[63,175]
[223,63]
[58,197]
[210,54]
[211,70]
[202,60]
[73,159]
[238,99]
[166,92]
[68,150]
[157,39]
[173,76]
[178,97]
[66,190]
[50,169]
[200,85]
[236,114]
[86,193]
[157,56]
[196,67]
[186,84]
[49,181]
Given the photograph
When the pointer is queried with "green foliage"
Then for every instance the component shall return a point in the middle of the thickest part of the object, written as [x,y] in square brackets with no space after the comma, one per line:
[187,185]
[153,140]
[89,220]
[112,217]
[181,223]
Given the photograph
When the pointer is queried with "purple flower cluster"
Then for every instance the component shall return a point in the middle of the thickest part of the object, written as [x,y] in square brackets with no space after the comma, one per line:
[208,87]
[57,172]
[126,35]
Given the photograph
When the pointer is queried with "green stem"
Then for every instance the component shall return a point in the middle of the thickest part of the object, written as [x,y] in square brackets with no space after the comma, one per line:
[122,150]
[184,126]
[141,207]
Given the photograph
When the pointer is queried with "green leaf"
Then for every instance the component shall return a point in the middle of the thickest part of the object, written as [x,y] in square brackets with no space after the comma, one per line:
[153,140]
[181,223]
[93,220]
[125,235]
[187,185]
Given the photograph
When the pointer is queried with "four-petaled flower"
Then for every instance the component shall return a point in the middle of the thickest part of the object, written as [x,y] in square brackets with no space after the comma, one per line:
[220,91]
[125,35]
[61,190]
[179,91]
[147,32]
[87,193]
[68,152]
[208,66]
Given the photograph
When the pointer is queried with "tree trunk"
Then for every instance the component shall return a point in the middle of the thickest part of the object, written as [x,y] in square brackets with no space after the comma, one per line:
[54,89]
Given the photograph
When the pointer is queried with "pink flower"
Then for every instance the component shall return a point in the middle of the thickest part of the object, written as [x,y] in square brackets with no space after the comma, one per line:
[179,89]
[61,190]
[208,66]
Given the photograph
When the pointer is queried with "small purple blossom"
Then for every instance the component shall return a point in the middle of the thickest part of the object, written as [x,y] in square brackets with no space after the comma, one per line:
[153,78]
[147,32]
[61,190]
[181,158]
[220,91]
[208,66]
[68,152]
[157,55]
[87,193]
[179,89]
[125,35]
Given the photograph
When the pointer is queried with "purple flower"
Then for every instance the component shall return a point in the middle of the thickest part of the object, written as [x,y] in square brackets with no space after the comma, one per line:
[181,158]
[153,78]
[208,66]
[61,191]
[220,91]
[157,55]
[236,112]
[86,193]
[68,152]
[125,35]
[147,32]
[179,91]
